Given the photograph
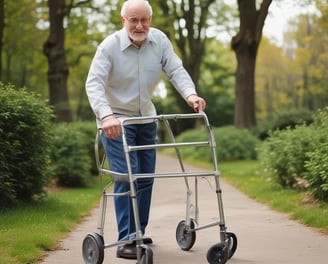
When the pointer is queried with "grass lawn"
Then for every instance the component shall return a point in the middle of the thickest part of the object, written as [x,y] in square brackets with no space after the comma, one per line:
[29,230]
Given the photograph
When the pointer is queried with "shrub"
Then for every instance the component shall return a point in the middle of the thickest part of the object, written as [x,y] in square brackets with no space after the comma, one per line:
[70,160]
[89,129]
[291,155]
[317,172]
[317,165]
[24,140]
[283,154]
[231,143]
[281,120]
[235,143]
[320,118]
[197,153]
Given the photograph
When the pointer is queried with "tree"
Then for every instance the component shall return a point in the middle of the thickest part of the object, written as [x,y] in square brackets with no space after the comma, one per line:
[322,6]
[217,82]
[308,54]
[60,14]
[245,45]
[22,61]
[272,89]
[187,30]
[294,76]
[2,26]
[79,59]
[54,49]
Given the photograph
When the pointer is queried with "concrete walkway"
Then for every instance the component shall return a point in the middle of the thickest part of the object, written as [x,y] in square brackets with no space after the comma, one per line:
[264,236]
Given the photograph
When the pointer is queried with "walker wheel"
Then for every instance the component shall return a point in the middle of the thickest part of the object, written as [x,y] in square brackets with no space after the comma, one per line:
[217,254]
[185,238]
[232,244]
[93,249]
[147,256]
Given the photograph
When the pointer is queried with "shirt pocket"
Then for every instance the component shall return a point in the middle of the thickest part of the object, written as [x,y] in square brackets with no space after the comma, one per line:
[152,73]
[153,67]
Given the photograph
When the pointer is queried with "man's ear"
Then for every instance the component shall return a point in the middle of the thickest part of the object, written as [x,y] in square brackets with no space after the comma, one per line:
[122,20]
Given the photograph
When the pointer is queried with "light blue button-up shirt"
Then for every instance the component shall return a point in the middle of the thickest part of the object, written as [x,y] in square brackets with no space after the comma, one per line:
[122,77]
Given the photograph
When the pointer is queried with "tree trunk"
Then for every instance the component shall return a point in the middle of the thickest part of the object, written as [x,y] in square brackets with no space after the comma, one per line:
[58,70]
[245,87]
[245,45]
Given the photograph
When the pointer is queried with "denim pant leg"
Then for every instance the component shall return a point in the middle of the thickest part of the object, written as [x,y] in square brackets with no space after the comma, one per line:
[116,159]
[146,164]
[141,162]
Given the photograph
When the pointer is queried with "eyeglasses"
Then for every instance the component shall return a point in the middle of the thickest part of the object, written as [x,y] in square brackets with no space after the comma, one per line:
[135,21]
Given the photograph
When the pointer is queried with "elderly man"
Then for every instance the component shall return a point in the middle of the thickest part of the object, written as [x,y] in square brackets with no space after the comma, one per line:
[122,77]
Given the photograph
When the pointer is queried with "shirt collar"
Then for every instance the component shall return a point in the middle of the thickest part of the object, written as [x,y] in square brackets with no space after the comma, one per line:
[126,42]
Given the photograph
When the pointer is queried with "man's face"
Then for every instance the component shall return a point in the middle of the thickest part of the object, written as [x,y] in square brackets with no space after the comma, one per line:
[137,23]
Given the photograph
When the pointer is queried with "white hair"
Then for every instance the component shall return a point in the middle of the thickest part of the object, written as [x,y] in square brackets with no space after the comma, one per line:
[126,4]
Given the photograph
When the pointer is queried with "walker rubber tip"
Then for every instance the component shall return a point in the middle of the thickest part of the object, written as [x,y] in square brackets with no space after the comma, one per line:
[196,109]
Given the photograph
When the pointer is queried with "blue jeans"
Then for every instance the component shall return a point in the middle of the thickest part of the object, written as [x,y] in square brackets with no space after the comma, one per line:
[142,161]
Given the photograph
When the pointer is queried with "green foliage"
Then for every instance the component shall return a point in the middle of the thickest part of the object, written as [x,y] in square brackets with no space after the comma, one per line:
[295,73]
[231,144]
[320,118]
[23,62]
[89,129]
[283,154]
[317,172]
[70,160]
[298,157]
[217,83]
[223,111]
[317,165]
[235,144]
[281,120]
[24,140]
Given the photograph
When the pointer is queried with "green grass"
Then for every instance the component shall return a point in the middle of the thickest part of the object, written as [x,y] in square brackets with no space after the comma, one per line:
[248,177]
[29,230]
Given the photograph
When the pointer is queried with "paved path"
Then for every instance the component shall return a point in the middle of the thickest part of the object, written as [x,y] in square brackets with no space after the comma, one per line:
[264,236]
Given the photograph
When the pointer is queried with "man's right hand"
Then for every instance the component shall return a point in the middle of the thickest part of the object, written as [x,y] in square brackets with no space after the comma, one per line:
[111,126]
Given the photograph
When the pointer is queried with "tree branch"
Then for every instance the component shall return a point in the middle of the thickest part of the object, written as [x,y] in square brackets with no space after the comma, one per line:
[74,4]
[262,14]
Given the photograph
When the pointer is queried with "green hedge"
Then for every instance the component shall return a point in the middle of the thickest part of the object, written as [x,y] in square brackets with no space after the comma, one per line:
[283,154]
[24,140]
[235,143]
[89,129]
[282,119]
[298,157]
[71,160]
[317,171]
[231,144]
[317,164]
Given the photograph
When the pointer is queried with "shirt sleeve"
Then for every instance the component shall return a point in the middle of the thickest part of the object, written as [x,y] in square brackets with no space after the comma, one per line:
[96,82]
[175,72]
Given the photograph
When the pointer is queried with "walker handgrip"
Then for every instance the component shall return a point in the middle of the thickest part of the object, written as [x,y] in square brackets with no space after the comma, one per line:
[196,109]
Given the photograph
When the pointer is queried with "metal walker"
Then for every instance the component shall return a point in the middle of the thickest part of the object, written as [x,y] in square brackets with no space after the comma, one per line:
[94,244]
